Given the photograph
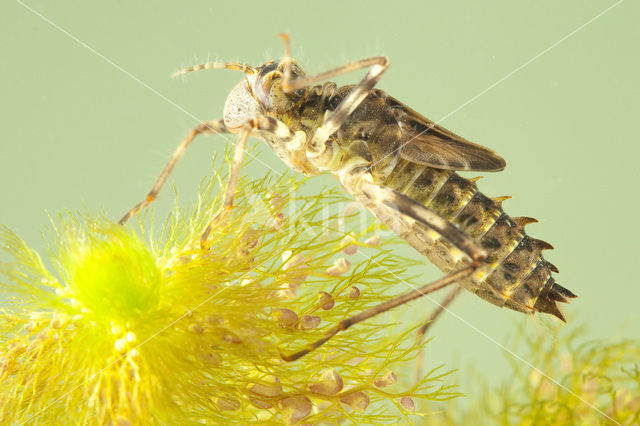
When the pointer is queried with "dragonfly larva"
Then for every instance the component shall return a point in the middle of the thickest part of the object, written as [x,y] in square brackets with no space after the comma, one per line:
[395,162]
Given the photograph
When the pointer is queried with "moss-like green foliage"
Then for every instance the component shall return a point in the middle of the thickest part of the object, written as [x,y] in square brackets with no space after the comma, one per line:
[141,326]
[573,382]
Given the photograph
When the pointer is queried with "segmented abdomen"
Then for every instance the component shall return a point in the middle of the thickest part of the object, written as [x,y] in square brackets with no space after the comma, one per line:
[514,273]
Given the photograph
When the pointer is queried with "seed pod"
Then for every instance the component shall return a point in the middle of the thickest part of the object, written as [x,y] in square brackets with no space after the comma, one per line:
[264,393]
[325,300]
[260,403]
[276,222]
[267,389]
[276,201]
[286,318]
[330,384]
[373,241]
[297,267]
[309,322]
[289,292]
[340,266]
[386,380]
[228,404]
[408,404]
[291,262]
[350,248]
[354,292]
[250,238]
[295,408]
[359,401]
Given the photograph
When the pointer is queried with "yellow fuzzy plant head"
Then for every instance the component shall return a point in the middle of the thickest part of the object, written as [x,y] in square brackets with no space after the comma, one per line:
[137,325]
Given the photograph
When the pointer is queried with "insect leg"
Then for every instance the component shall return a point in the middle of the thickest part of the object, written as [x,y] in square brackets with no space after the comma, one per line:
[436,313]
[413,209]
[355,175]
[230,193]
[289,85]
[236,66]
[236,164]
[423,330]
[263,124]
[378,65]
[383,307]
[350,102]
[215,126]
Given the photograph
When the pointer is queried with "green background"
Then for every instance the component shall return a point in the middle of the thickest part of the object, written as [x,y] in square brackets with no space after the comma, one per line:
[79,132]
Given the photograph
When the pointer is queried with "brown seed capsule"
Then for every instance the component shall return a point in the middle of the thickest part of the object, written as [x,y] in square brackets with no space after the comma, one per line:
[350,248]
[286,318]
[354,292]
[309,322]
[325,300]
[330,383]
[289,292]
[386,380]
[291,262]
[276,223]
[297,268]
[295,408]
[340,266]
[373,241]
[267,389]
[264,393]
[196,328]
[260,403]
[359,401]
[408,404]
[250,238]
[228,404]
[276,202]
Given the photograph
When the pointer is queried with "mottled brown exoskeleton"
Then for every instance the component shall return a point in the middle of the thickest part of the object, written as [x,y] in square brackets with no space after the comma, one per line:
[399,165]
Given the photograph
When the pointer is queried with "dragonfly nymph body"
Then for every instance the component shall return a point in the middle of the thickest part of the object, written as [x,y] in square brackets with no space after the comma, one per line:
[399,165]
[399,150]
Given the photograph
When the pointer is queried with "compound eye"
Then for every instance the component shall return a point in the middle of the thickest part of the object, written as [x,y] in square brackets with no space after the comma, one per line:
[261,87]
[240,106]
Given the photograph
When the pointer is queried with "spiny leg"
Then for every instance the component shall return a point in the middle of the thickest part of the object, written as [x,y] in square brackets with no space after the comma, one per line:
[350,103]
[215,126]
[421,214]
[289,85]
[262,124]
[227,205]
[383,307]
[413,209]
[378,65]
[437,312]
[236,66]
[423,330]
